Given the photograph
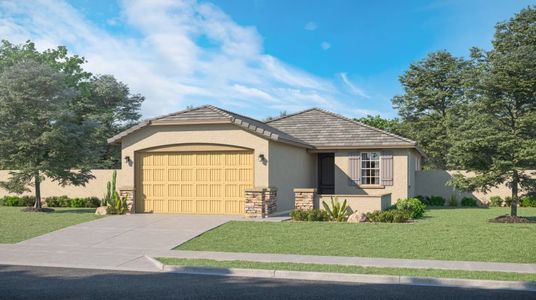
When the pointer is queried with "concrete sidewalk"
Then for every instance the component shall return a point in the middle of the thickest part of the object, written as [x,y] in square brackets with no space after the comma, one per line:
[353,261]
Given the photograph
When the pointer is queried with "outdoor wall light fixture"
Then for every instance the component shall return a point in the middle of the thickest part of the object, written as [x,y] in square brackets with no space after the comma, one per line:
[127,159]
[262,158]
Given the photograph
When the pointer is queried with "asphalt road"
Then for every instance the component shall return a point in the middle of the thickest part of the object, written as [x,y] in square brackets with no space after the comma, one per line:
[59,283]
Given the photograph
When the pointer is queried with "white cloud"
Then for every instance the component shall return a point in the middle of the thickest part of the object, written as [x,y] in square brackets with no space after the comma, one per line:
[163,60]
[311,26]
[325,45]
[352,87]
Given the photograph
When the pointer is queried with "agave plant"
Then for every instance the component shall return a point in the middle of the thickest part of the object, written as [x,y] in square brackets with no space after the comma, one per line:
[117,205]
[338,211]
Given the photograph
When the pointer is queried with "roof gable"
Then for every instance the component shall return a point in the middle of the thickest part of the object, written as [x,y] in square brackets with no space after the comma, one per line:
[209,114]
[324,129]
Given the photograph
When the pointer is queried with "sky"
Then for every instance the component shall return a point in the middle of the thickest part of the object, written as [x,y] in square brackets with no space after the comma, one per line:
[257,57]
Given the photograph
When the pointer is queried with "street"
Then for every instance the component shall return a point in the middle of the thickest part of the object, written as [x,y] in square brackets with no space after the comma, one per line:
[17,282]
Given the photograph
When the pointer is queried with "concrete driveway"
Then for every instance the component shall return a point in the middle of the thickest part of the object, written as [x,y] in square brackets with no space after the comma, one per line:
[113,242]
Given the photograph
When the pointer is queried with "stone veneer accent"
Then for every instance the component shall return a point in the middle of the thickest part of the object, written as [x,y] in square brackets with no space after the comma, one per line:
[304,199]
[129,193]
[260,202]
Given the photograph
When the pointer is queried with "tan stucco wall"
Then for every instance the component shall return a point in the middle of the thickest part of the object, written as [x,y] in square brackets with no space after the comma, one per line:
[94,188]
[399,189]
[290,167]
[433,183]
[358,203]
[223,134]
[412,168]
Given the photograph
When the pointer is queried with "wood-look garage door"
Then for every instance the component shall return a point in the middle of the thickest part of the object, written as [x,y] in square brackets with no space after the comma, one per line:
[193,182]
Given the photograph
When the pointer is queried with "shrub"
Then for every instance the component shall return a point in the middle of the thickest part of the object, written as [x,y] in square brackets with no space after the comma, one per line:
[453,201]
[93,202]
[424,199]
[528,200]
[508,201]
[338,211]
[58,201]
[495,201]
[437,201]
[413,206]
[389,216]
[313,215]
[468,201]
[77,202]
[18,201]
[118,205]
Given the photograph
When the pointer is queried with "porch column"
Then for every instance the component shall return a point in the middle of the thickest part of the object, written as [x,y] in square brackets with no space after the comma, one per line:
[304,198]
[260,202]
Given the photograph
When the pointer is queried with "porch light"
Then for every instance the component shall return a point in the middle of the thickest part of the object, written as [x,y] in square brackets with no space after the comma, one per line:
[127,159]
[261,158]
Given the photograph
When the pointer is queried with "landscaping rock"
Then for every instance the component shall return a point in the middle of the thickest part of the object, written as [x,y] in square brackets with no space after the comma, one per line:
[363,218]
[353,218]
[101,211]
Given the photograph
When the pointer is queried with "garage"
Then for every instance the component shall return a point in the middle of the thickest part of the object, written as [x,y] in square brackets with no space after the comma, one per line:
[198,182]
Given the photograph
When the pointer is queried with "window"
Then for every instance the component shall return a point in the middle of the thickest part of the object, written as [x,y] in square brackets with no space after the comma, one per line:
[370,168]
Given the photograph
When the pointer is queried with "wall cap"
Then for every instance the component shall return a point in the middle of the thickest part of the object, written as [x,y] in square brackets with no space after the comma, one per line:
[305,190]
[354,195]
[126,188]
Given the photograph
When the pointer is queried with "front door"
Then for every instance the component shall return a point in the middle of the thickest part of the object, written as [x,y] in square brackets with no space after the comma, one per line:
[326,173]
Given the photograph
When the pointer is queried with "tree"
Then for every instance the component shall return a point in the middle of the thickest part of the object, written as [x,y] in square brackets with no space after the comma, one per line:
[112,107]
[39,135]
[102,101]
[433,94]
[389,125]
[497,140]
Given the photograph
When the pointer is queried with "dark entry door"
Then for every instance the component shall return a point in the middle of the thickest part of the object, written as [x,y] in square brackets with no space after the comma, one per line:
[326,173]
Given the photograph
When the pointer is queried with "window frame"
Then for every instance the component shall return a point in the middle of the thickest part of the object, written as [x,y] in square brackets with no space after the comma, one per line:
[363,169]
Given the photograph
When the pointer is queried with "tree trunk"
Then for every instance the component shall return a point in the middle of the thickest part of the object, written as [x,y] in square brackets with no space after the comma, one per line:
[37,191]
[515,182]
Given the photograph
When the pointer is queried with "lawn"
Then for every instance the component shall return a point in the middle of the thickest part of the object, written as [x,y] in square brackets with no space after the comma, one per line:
[349,269]
[444,234]
[16,226]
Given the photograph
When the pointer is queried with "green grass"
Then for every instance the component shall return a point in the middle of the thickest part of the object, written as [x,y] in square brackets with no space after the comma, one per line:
[349,269]
[444,234]
[16,226]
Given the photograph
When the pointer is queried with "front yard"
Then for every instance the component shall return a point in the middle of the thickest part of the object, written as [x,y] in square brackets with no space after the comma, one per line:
[444,234]
[16,226]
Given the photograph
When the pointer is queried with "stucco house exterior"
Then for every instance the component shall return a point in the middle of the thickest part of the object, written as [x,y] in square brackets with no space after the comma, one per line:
[208,160]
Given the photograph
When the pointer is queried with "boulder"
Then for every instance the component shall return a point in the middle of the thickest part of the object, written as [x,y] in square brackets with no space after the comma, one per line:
[362,218]
[101,211]
[353,218]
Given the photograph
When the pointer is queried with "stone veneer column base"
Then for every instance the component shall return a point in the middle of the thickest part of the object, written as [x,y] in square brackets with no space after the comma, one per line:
[260,202]
[129,193]
[304,198]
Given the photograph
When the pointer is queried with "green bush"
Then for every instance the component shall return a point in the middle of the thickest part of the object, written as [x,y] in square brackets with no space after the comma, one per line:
[469,201]
[77,202]
[389,216]
[313,215]
[508,201]
[338,212]
[424,199]
[93,202]
[528,200]
[437,201]
[64,201]
[18,201]
[58,201]
[413,206]
[495,201]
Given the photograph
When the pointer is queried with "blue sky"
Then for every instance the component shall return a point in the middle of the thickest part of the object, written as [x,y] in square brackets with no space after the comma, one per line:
[257,57]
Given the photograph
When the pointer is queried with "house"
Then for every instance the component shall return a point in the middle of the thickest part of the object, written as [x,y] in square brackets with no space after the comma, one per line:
[208,160]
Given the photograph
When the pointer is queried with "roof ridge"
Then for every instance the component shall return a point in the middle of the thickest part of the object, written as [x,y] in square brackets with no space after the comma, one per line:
[291,115]
[365,125]
[177,112]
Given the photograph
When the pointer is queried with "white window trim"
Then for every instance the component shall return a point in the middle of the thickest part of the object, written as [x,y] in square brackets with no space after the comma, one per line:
[379,169]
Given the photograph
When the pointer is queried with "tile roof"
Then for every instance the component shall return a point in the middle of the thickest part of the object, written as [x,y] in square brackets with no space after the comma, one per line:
[209,113]
[324,129]
[313,128]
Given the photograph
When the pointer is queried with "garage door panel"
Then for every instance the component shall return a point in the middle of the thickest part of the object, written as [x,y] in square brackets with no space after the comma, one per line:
[200,182]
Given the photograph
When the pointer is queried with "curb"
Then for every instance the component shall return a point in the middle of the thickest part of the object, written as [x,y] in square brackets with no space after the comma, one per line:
[354,278]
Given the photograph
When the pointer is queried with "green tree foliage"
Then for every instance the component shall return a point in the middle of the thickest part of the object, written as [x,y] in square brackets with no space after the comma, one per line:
[101,101]
[433,95]
[389,125]
[39,135]
[497,139]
